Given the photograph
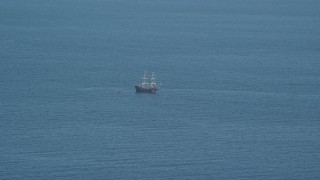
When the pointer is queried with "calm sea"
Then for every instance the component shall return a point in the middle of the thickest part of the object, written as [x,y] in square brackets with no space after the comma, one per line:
[239,90]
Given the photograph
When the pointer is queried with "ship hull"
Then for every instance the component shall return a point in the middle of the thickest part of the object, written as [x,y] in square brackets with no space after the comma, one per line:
[145,90]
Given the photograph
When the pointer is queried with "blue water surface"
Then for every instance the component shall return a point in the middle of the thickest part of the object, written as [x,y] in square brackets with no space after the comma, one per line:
[239,90]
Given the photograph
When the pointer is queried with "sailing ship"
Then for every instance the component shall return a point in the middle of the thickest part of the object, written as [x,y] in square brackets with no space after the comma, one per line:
[144,87]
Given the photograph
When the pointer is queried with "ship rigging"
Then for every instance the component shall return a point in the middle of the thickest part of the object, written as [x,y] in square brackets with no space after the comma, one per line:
[144,86]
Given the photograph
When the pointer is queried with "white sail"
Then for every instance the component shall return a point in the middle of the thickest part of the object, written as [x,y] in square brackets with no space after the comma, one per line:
[153,81]
[145,80]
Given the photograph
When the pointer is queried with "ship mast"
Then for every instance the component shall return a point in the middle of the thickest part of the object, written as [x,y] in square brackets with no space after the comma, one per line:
[153,81]
[145,80]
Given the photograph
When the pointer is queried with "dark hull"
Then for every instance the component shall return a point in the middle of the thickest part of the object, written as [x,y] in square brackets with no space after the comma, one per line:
[145,90]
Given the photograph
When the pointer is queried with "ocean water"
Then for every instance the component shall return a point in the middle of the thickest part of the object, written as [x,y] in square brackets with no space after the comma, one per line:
[239,90]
